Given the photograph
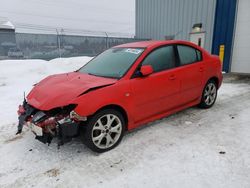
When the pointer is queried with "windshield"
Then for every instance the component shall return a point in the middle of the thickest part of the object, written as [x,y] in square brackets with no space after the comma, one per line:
[112,63]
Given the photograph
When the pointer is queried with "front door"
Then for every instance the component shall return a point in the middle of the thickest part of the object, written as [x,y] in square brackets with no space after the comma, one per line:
[159,91]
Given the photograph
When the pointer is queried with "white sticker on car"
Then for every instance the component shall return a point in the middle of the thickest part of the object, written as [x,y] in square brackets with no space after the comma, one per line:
[133,51]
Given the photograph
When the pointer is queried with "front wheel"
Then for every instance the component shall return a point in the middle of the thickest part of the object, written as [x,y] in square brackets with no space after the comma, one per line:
[209,95]
[104,130]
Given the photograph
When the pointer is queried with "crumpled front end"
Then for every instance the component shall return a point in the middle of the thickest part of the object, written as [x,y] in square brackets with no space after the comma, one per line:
[61,122]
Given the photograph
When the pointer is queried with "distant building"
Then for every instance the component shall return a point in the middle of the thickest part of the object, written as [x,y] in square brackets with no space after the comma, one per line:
[220,26]
[7,36]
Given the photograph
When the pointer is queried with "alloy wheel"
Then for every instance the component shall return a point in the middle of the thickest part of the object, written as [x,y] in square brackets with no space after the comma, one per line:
[106,131]
[210,94]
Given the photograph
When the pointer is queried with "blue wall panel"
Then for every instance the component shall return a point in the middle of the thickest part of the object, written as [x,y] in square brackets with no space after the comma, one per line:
[224,29]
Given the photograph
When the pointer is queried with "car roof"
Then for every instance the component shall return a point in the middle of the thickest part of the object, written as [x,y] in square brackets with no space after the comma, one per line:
[154,43]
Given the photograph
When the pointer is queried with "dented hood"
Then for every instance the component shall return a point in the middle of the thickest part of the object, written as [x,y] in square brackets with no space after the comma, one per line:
[59,90]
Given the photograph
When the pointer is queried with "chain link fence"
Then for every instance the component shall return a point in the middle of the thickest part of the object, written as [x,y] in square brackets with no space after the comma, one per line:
[49,46]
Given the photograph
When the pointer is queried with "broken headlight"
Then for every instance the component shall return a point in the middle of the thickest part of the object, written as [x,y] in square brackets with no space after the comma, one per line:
[38,117]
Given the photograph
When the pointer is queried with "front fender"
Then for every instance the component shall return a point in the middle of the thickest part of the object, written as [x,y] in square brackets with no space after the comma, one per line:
[117,94]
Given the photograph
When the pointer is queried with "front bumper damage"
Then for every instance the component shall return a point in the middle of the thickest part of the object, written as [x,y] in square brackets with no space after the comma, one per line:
[49,124]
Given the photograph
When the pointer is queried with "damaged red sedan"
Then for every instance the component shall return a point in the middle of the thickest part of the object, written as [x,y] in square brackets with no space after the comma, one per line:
[120,89]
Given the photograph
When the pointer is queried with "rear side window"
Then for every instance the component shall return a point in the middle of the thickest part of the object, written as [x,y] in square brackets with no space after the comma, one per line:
[188,54]
[161,59]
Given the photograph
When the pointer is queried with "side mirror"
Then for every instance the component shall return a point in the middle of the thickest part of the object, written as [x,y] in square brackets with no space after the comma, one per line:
[146,70]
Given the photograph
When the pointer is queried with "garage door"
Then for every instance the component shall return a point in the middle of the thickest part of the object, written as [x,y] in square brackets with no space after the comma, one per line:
[241,49]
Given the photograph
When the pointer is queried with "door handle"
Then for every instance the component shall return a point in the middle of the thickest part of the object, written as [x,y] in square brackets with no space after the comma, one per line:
[201,69]
[172,77]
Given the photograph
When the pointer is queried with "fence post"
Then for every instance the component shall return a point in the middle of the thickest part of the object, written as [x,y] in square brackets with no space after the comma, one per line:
[59,43]
[107,45]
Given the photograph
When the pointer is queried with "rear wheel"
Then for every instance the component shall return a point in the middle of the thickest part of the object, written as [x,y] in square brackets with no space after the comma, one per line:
[209,95]
[104,130]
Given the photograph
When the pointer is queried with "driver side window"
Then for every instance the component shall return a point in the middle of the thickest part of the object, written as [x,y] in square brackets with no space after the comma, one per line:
[161,59]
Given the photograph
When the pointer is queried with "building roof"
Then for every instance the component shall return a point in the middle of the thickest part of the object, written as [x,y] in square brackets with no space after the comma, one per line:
[6,24]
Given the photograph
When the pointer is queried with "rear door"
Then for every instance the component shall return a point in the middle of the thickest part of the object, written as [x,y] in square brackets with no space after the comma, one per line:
[191,73]
[159,91]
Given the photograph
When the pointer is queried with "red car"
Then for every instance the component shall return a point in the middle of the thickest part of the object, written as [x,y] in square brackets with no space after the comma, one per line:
[119,90]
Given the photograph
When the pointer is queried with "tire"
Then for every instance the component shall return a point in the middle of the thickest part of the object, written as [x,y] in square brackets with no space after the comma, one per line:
[209,95]
[104,130]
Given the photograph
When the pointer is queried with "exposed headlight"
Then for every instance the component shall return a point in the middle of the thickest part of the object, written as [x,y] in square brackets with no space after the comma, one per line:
[39,116]
[74,115]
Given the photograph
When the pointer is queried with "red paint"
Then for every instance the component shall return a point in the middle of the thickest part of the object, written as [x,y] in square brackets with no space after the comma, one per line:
[59,90]
[146,70]
[143,99]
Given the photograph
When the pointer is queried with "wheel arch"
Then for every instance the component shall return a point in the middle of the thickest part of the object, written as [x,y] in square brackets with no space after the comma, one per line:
[216,79]
[119,109]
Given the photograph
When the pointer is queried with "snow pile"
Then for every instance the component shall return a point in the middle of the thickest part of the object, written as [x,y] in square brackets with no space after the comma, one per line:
[19,76]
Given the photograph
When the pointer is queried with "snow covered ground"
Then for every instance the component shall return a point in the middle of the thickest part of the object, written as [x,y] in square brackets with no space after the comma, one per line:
[193,148]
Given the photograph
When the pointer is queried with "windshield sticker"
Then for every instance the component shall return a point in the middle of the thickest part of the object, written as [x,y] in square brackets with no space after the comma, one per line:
[133,51]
